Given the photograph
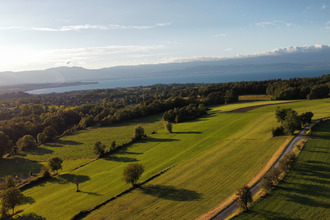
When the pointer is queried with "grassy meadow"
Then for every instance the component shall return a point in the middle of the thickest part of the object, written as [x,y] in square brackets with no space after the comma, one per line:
[305,192]
[237,147]
[77,149]
[212,156]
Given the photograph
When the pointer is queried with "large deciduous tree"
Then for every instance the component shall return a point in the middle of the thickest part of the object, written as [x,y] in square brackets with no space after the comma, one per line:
[55,163]
[132,173]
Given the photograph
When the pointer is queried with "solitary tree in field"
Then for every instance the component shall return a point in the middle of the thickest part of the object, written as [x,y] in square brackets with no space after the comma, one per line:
[55,163]
[132,173]
[244,197]
[76,181]
[138,133]
[10,198]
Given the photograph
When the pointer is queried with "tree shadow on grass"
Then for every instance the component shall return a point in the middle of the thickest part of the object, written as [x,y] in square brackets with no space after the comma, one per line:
[30,216]
[170,193]
[187,132]
[62,143]
[269,215]
[158,140]
[121,159]
[18,166]
[69,178]
[90,193]
[307,201]
[40,151]
[28,200]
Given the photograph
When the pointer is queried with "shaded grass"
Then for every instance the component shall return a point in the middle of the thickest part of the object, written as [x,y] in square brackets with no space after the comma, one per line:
[254,97]
[305,193]
[77,149]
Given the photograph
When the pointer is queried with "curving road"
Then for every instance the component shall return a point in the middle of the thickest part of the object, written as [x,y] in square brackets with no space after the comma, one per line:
[256,187]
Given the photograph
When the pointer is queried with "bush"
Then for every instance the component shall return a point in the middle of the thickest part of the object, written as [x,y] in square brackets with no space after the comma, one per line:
[41,138]
[99,149]
[44,172]
[286,162]
[168,126]
[277,131]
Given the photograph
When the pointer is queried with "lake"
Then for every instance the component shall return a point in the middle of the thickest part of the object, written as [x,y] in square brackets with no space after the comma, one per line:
[202,78]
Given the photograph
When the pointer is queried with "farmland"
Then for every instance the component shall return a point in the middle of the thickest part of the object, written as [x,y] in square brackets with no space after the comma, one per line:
[304,194]
[210,157]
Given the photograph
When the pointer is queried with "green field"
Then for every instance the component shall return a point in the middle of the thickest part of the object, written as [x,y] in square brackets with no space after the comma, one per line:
[77,149]
[212,155]
[305,192]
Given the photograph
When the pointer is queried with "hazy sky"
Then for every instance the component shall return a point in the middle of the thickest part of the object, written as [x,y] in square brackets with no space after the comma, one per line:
[39,34]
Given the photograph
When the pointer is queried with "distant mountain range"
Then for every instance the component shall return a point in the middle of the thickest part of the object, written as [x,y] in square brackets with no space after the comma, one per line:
[287,59]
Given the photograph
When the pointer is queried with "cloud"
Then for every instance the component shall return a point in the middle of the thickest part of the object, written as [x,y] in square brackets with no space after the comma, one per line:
[229,49]
[327,25]
[273,23]
[220,35]
[323,7]
[87,27]
[276,52]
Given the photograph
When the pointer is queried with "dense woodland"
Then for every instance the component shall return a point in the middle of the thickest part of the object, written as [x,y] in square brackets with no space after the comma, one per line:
[26,120]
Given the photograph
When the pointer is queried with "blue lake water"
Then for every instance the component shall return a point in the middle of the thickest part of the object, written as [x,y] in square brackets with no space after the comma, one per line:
[203,78]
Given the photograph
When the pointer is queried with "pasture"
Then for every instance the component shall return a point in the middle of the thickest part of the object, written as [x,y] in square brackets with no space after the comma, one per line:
[212,156]
[304,194]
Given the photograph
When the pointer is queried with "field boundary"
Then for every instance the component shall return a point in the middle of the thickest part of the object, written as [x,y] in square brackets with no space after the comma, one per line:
[84,213]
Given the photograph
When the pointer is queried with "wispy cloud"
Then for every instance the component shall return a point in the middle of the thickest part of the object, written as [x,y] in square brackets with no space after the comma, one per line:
[324,6]
[87,27]
[327,25]
[220,35]
[228,49]
[273,23]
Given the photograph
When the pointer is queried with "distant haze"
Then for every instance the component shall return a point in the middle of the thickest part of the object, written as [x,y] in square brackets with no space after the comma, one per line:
[280,60]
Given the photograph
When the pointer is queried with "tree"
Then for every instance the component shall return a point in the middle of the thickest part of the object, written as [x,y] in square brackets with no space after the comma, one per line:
[266,184]
[286,162]
[55,163]
[138,133]
[306,118]
[244,197]
[99,149]
[280,114]
[168,126]
[10,182]
[50,132]
[27,142]
[41,138]
[132,173]
[113,145]
[291,122]
[76,181]
[10,198]
[4,144]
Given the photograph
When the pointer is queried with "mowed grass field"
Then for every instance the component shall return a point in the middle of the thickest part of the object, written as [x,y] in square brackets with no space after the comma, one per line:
[237,147]
[212,156]
[305,192]
[77,149]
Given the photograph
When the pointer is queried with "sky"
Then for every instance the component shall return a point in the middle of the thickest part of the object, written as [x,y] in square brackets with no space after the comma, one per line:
[41,34]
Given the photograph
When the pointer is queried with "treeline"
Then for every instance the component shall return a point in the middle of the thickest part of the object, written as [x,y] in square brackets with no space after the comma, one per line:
[45,117]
